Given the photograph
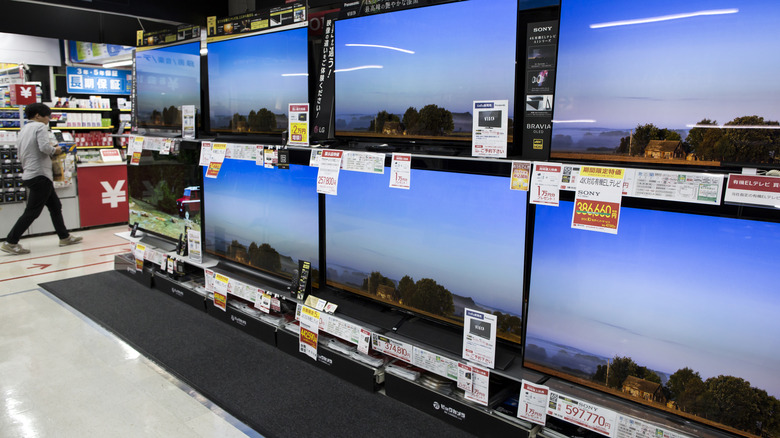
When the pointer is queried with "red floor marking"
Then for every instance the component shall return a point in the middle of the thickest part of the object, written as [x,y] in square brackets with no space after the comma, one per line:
[40,266]
[58,270]
[61,253]
[115,253]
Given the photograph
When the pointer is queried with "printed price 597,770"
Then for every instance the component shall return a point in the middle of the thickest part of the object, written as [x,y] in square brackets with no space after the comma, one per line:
[587,416]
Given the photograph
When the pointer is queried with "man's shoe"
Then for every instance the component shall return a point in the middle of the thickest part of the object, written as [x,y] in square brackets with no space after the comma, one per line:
[71,240]
[12,248]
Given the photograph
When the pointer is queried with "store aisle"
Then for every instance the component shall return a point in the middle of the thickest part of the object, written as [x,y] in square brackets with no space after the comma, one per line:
[63,375]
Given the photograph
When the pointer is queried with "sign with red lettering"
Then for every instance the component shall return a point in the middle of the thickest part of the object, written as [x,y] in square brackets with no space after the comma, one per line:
[753,190]
[23,94]
[597,200]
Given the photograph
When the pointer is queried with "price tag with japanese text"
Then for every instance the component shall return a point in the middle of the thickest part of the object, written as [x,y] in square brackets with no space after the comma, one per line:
[328,172]
[217,157]
[480,381]
[581,413]
[220,291]
[205,153]
[597,199]
[309,331]
[545,183]
[401,171]
[532,403]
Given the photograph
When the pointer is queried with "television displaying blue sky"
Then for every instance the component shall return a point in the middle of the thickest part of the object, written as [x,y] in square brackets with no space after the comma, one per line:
[250,203]
[448,55]
[465,231]
[167,76]
[670,290]
[691,60]
[262,71]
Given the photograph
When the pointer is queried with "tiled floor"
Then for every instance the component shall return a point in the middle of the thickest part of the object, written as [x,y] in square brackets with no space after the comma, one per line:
[61,375]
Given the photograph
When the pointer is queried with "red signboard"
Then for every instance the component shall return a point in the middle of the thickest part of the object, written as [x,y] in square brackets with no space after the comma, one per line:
[103,195]
[23,94]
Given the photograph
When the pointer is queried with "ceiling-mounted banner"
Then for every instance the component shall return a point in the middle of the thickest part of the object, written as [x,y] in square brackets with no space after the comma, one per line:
[80,51]
[167,36]
[256,21]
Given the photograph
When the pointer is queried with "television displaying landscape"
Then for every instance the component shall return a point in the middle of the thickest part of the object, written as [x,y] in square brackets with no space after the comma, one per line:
[252,80]
[661,81]
[677,311]
[263,218]
[416,73]
[166,78]
[164,194]
[452,241]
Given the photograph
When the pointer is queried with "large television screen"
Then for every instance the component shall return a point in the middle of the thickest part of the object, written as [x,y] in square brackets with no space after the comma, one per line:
[414,74]
[253,79]
[165,193]
[453,240]
[678,311]
[166,78]
[262,218]
[665,81]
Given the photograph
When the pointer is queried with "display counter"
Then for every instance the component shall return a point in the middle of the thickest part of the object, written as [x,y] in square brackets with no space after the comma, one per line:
[102,193]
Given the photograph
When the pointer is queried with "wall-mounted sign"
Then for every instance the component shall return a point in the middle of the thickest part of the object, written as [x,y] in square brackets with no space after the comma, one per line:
[83,80]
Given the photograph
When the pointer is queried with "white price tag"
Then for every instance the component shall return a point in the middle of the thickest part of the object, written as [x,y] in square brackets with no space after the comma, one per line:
[328,173]
[532,403]
[401,171]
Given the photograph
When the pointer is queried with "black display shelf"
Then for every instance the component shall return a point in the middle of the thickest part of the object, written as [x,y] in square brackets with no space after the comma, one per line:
[244,322]
[125,263]
[178,290]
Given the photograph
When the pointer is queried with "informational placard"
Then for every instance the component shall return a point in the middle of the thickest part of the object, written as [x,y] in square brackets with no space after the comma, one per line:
[315,303]
[435,363]
[698,188]
[188,122]
[532,403]
[540,66]
[584,414]
[479,337]
[166,146]
[364,341]
[110,155]
[269,157]
[465,379]
[205,153]
[217,157]
[545,184]
[490,127]
[480,383]
[309,331]
[570,173]
[135,149]
[314,159]
[138,252]
[195,253]
[401,171]
[208,279]
[521,176]
[262,301]
[328,173]
[753,190]
[298,124]
[630,427]
[597,199]
[81,80]
[220,291]
[368,162]
[392,347]
[341,328]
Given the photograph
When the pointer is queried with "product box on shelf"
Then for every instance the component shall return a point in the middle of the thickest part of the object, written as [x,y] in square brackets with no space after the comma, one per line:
[242,317]
[184,292]
[337,363]
[125,263]
[451,408]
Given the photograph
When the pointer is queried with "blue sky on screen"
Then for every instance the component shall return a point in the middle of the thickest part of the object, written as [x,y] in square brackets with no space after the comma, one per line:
[262,71]
[168,76]
[720,64]
[254,204]
[669,290]
[462,51]
[465,231]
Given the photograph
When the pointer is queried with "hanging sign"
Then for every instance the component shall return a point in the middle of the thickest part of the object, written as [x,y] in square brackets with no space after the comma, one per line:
[81,80]
[309,331]
[521,175]
[217,157]
[532,403]
[205,153]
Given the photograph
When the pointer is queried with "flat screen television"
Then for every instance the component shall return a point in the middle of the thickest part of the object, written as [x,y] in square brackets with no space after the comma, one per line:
[252,80]
[453,240]
[165,194]
[166,78]
[265,219]
[629,73]
[677,311]
[414,74]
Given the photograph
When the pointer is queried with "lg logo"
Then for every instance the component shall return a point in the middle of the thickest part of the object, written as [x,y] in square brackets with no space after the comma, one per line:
[113,195]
